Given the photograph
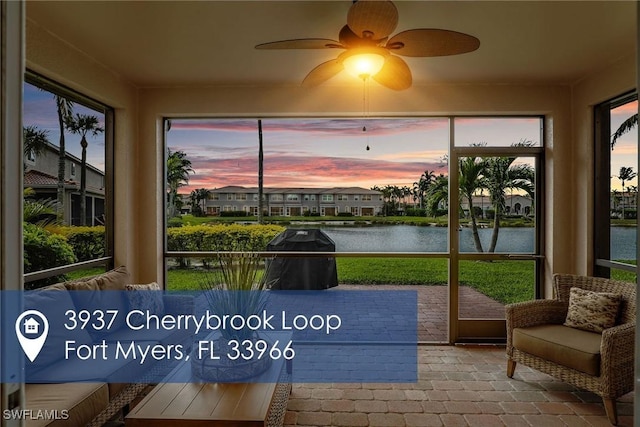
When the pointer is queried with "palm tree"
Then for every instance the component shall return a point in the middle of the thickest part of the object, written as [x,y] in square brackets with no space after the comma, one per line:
[471,171]
[421,187]
[260,175]
[500,176]
[197,196]
[386,197]
[37,212]
[438,193]
[625,174]
[625,127]
[64,107]
[194,202]
[34,141]
[178,170]
[81,125]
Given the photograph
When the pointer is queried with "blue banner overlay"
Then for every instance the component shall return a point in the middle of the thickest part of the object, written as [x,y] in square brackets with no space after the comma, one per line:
[217,336]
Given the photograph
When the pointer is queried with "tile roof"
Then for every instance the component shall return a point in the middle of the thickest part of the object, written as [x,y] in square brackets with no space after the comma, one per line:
[299,190]
[36,178]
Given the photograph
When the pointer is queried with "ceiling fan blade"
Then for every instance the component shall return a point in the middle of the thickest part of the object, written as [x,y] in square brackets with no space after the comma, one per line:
[349,38]
[301,44]
[432,42]
[374,19]
[322,73]
[395,74]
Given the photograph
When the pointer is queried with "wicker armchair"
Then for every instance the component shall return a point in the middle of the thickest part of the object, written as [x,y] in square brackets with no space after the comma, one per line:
[611,358]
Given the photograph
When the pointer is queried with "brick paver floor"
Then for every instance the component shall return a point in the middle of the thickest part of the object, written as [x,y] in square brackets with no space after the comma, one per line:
[457,386]
[433,308]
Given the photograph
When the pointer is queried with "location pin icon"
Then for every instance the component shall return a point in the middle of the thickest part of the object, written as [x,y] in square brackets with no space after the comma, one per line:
[36,327]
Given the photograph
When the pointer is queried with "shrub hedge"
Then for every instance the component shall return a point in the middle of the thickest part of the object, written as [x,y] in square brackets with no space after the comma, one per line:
[87,242]
[221,237]
[234,213]
[43,250]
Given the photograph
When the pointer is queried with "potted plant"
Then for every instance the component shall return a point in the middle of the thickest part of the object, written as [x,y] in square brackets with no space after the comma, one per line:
[235,287]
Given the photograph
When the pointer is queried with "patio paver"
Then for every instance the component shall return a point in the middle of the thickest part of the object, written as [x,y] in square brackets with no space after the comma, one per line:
[486,398]
[433,307]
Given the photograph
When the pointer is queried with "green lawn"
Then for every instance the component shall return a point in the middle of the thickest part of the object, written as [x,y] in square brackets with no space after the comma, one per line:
[504,281]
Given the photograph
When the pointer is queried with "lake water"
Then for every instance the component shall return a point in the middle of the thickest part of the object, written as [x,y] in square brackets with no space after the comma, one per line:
[408,238]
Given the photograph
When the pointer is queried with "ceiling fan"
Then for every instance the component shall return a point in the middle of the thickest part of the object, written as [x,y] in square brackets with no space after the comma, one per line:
[370,53]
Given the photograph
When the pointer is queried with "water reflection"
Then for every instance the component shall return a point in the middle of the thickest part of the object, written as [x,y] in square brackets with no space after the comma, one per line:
[408,238]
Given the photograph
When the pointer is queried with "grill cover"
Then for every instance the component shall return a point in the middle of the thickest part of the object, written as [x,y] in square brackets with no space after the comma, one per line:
[304,273]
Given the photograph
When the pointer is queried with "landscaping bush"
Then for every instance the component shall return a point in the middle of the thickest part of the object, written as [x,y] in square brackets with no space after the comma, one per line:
[309,213]
[221,237]
[416,212]
[87,242]
[176,221]
[345,214]
[43,250]
[233,213]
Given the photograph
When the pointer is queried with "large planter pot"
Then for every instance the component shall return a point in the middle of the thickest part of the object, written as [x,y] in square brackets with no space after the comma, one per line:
[226,370]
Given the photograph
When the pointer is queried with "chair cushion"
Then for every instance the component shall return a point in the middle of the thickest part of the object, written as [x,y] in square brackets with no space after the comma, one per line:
[592,311]
[570,347]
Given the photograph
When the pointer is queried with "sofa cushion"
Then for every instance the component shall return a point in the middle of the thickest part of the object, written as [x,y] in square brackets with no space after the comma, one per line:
[113,280]
[566,346]
[592,311]
[146,298]
[53,302]
[106,294]
[110,370]
[83,401]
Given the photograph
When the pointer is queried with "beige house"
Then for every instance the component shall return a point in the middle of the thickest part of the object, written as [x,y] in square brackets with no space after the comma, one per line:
[296,201]
[41,174]
[515,204]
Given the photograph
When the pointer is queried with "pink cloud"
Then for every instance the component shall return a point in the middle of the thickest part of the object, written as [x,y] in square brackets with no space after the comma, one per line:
[297,171]
[627,109]
[352,126]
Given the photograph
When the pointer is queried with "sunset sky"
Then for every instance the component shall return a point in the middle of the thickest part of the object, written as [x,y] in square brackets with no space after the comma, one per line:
[331,152]
[40,110]
[321,152]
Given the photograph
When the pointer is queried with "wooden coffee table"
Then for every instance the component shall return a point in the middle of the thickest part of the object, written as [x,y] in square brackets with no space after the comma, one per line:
[214,404]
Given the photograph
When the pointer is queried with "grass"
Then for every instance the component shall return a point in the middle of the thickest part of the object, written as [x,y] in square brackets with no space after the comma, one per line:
[626,276]
[86,272]
[503,281]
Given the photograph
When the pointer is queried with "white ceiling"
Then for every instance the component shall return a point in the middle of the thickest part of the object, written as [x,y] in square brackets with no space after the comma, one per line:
[212,43]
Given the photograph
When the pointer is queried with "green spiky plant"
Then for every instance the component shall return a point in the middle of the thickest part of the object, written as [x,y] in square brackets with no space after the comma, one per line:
[236,287]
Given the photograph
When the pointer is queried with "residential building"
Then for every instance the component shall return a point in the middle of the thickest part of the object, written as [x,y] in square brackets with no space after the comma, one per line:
[296,201]
[41,174]
[515,204]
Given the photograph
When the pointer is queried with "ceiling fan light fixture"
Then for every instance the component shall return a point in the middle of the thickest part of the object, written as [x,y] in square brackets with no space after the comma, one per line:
[364,64]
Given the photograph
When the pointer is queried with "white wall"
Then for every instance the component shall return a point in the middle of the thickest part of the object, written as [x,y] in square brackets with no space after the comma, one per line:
[611,81]
[51,57]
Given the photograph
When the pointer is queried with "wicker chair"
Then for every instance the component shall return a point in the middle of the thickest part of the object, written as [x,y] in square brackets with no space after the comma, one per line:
[613,362]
